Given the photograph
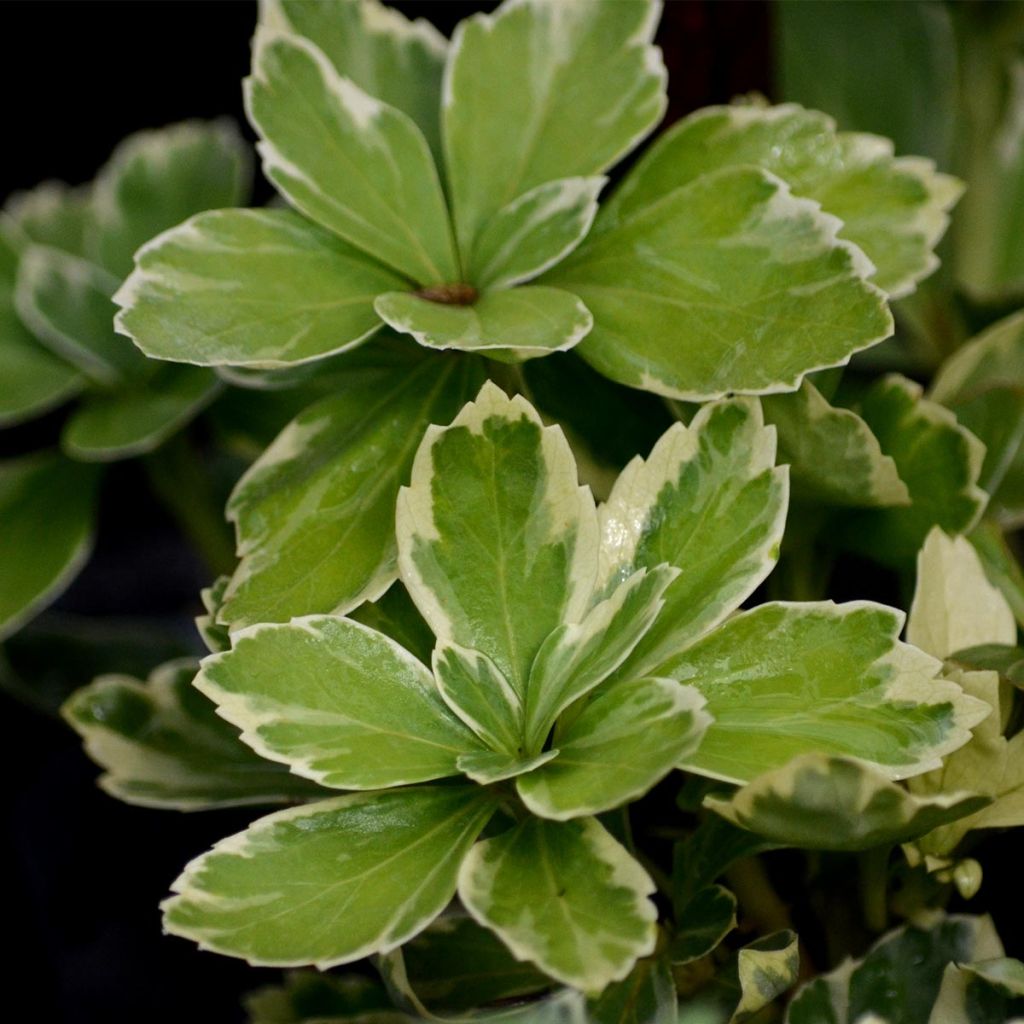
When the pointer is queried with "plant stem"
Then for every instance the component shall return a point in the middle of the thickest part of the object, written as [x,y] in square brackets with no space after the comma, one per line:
[874,877]
[177,478]
[757,896]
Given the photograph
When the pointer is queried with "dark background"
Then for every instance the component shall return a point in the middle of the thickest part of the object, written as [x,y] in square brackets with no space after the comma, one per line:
[86,873]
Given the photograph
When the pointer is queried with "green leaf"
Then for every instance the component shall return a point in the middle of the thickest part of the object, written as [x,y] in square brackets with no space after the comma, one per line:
[478,693]
[309,996]
[759,974]
[396,616]
[509,325]
[497,543]
[900,976]
[989,266]
[984,992]
[646,996]
[584,919]
[706,854]
[787,679]
[709,501]
[489,766]
[354,164]
[156,179]
[121,424]
[1001,565]
[622,743]
[893,209]
[52,214]
[704,922]
[457,965]
[821,51]
[577,657]
[161,744]
[936,458]
[35,380]
[540,91]
[391,58]
[983,382]
[65,301]
[337,703]
[46,506]
[534,232]
[728,283]
[837,803]
[331,882]
[215,636]
[832,454]
[315,513]
[261,288]
[1005,659]
[955,606]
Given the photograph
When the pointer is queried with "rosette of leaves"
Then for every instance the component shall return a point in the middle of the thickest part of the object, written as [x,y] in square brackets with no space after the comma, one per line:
[949,970]
[579,655]
[63,253]
[449,190]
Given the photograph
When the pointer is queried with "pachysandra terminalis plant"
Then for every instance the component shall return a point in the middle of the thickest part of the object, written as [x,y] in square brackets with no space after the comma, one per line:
[471,684]
[580,656]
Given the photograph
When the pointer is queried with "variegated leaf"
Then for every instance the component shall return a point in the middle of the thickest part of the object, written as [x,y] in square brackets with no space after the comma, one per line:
[534,232]
[708,500]
[584,920]
[46,507]
[496,540]
[542,90]
[125,423]
[787,679]
[354,164]
[156,179]
[337,702]
[333,881]
[65,301]
[386,55]
[837,803]
[520,323]
[161,744]
[938,460]
[832,454]
[577,657]
[260,288]
[315,513]
[729,283]
[621,744]
[895,209]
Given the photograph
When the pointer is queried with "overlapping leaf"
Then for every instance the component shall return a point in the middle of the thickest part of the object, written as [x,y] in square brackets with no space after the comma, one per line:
[497,542]
[333,881]
[834,803]
[315,513]
[540,91]
[786,679]
[564,895]
[257,288]
[893,209]
[46,506]
[161,744]
[727,283]
[378,722]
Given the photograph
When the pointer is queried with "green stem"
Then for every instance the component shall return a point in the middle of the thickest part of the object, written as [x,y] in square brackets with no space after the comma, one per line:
[874,882]
[176,475]
[757,896]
